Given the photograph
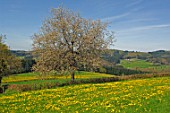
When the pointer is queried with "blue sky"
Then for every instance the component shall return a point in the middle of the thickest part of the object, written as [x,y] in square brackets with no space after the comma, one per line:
[139,25]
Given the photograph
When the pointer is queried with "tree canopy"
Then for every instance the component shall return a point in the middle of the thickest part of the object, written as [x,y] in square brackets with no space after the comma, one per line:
[4,51]
[8,62]
[67,42]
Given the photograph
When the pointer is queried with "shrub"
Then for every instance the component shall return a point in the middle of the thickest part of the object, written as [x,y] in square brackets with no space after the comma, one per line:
[102,70]
[29,87]
[119,70]
[1,90]
[12,88]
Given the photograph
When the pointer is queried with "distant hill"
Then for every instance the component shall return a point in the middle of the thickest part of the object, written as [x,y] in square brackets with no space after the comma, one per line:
[114,56]
[157,57]
[160,54]
[112,61]
[160,57]
[21,53]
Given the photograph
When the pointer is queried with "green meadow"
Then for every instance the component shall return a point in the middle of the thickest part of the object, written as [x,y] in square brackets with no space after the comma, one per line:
[34,78]
[136,63]
[150,95]
[141,64]
[133,96]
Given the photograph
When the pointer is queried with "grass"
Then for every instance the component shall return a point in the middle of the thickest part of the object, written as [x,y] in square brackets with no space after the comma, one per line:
[33,78]
[135,96]
[142,64]
[134,63]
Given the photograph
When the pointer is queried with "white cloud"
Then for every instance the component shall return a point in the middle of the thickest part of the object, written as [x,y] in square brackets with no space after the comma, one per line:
[149,27]
[134,3]
[115,17]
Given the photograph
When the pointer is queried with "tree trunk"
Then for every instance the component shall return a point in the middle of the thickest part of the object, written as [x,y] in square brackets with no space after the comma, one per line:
[0,80]
[72,76]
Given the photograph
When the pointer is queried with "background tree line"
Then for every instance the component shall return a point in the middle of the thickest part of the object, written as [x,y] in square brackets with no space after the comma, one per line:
[109,60]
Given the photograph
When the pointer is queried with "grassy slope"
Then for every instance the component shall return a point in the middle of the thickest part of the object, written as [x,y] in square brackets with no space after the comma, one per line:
[133,63]
[135,96]
[141,64]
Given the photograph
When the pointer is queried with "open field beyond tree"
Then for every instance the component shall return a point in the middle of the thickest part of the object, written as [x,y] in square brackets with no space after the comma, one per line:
[28,78]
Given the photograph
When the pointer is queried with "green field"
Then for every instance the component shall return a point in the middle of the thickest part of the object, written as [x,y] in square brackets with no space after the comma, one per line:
[135,63]
[135,96]
[33,78]
[141,64]
[132,96]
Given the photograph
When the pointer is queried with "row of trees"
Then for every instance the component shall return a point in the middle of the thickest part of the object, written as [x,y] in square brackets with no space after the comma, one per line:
[66,42]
